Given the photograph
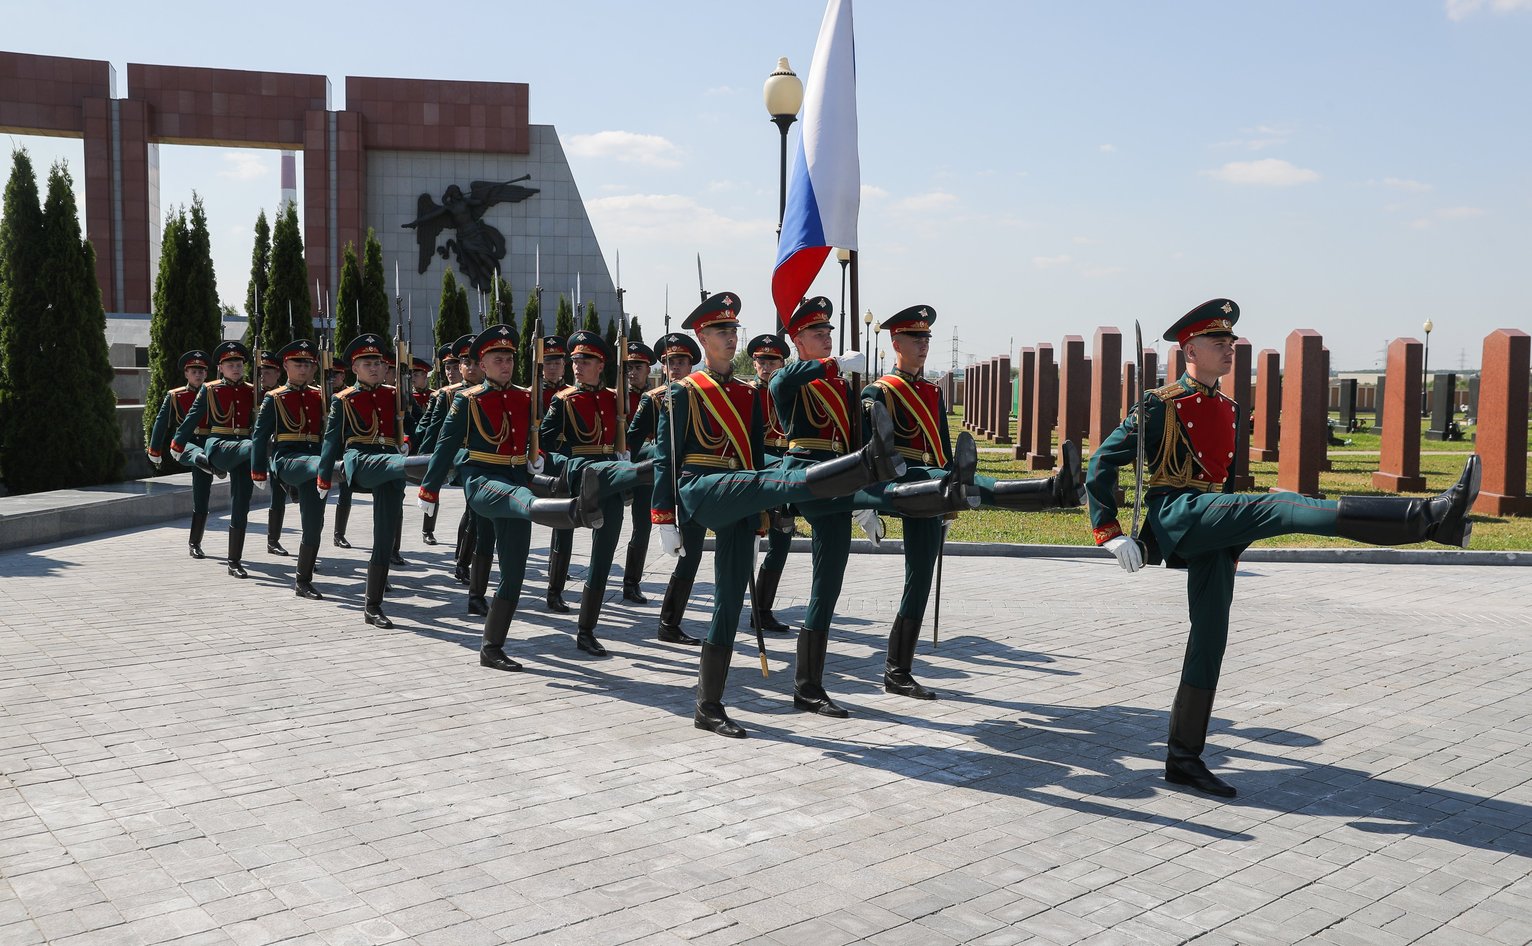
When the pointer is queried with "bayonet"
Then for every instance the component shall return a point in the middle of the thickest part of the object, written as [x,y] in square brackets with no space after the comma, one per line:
[1138,435]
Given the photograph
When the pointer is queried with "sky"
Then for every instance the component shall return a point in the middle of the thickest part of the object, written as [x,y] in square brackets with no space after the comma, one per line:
[1029,169]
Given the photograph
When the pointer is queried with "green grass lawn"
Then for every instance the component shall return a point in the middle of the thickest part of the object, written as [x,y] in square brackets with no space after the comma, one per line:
[1351,473]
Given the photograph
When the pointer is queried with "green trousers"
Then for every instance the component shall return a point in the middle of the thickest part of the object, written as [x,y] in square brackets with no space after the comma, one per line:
[734,544]
[1215,528]
[300,470]
[382,474]
[502,503]
[231,457]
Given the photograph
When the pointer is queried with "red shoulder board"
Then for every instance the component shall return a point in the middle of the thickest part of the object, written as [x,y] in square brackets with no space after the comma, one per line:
[1210,422]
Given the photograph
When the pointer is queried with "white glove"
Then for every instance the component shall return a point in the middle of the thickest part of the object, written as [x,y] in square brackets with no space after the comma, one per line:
[426,506]
[624,456]
[1129,555]
[156,461]
[322,490]
[852,362]
[404,449]
[176,455]
[536,464]
[259,484]
[872,525]
[670,541]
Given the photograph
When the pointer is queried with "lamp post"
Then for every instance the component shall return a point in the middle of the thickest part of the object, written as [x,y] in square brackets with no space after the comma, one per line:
[1425,360]
[872,356]
[783,94]
[844,256]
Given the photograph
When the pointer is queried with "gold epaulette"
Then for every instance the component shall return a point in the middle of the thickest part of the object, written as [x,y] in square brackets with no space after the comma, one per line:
[1169,392]
[184,387]
[566,392]
[345,392]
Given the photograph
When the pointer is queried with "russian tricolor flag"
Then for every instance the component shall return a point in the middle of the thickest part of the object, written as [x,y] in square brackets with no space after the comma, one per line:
[824,191]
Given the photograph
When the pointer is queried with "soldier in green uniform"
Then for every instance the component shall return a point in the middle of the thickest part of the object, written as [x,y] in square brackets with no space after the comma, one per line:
[581,427]
[1196,521]
[343,495]
[485,436]
[172,411]
[464,373]
[447,360]
[821,414]
[678,355]
[554,367]
[920,425]
[712,470]
[636,363]
[767,354]
[270,375]
[365,431]
[224,406]
[288,431]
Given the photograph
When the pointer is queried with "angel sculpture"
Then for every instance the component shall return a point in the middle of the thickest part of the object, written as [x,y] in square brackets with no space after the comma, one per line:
[479,247]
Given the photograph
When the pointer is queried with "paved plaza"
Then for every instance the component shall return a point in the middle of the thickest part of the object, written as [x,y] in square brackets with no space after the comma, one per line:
[187,758]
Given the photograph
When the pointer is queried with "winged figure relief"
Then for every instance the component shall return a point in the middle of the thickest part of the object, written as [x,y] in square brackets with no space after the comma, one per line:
[477,246]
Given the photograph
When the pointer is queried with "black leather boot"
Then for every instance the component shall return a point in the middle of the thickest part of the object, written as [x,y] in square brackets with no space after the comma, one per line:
[877,461]
[342,516]
[590,612]
[588,503]
[467,540]
[765,596]
[237,552]
[372,608]
[555,513]
[303,584]
[633,573]
[901,657]
[1399,520]
[645,471]
[194,538]
[428,529]
[201,462]
[274,518]
[671,608]
[927,499]
[547,487]
[394,558]
[808,676]
[478,583]
[1188,736]
[558,573]
[965,458]
[711,676]
[496,625]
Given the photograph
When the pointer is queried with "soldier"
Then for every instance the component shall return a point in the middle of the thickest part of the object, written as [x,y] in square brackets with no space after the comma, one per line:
[768,353]
[343,498]
[462,370]
[821,414]
[173,411]
[288,432]
[1196,521]
[366,432]
[636,363]
[492,421]
[447,359]
[711,471]
[581,426]
[920,424]
[226,407]
[678,355]
[561,543]
[270,376]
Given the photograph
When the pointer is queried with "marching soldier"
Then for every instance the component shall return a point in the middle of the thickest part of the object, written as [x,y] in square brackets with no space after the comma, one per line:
[492,422]
[270,377]
[768,353]
[461,371]
[561,543]
[919,412]
[343,498]
[636,363]
[224,406]
[711,471]
[288,432]
[821,412]
[366,432]
[1196,521]
[678,355]
[172,412]
[581,426]
[447,359]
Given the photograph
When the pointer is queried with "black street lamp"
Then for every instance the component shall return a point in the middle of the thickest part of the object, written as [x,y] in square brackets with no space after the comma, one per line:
[1425,360]
[844,256]
[783,93]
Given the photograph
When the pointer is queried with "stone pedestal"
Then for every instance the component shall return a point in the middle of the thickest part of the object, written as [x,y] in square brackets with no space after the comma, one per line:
[1444,397]
[1323,432]
[1265,428]
[1399,462]
[1105,385]
[1026,390]
[1003,400]
[1502,435]
[1303,414]
[1175,363]
[1236,384]
[1129,388]
[1045,395]
[1074,391]
[1345,397]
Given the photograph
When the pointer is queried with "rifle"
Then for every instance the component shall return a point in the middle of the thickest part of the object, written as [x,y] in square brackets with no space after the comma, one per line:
[534,432]
[936,620]
[700,284]
[1138,457]
[620,439]
[401,359]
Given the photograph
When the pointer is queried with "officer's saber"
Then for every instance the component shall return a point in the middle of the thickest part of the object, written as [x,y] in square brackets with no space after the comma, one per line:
[1138,436]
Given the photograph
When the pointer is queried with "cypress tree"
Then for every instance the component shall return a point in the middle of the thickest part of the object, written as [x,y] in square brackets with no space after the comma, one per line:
[460,310]
[450,323]
[377,309]
[171,333]
[201,282]
[289,286]
[260,267]
[86,450]
[347,296]
[563,318]
[635,333]
[506,313]
[609,377]
[531,327]
[23,302]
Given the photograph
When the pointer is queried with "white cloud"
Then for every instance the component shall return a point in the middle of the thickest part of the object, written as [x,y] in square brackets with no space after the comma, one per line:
[627,146]
[1052,262]
[1461,9]
[1259,138]
[1460,213]
[1420,223]
[1106,149]
[925,203]
[1403,184]
[247,165]
[873,192]
[1267,172]
[669,217]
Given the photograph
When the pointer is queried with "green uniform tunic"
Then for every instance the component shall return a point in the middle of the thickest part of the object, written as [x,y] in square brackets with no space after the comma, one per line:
[1195,519]
[288,432]
[363,433]
[225,409]
[641,440]
[172,412]
[778,543]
